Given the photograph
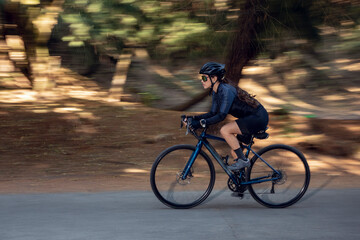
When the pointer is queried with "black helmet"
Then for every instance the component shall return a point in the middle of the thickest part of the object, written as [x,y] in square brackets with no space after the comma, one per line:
[213,69]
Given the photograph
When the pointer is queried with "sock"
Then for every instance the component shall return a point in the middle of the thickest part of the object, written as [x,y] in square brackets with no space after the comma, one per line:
[240,154]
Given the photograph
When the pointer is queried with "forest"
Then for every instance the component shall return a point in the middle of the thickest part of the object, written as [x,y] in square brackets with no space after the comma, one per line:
[90,87]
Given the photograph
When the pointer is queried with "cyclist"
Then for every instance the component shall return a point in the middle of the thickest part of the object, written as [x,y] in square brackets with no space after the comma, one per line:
[228,99]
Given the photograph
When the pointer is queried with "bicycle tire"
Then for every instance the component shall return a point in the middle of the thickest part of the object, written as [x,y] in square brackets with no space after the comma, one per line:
[177,193]
[287,190]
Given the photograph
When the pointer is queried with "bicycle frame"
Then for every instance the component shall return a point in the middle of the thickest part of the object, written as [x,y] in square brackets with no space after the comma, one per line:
[204,142]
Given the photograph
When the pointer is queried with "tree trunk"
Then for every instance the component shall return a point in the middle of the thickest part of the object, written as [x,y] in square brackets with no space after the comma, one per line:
[119,79]
[41,66]
[14,22]
[34,24]
[245,45]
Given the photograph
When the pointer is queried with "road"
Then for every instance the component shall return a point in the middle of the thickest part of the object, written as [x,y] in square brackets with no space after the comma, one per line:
[321,214]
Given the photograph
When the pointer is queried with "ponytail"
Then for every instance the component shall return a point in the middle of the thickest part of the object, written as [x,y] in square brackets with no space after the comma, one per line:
[242,94]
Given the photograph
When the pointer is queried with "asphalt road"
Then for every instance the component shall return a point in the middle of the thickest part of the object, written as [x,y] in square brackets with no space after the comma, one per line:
[321,214]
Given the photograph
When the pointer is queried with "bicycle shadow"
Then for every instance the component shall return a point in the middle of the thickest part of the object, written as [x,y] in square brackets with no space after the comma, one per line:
[228,201]
[215,195]
[311,192]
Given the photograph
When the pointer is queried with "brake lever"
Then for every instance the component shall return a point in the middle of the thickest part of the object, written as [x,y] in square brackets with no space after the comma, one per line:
[188,122]
[188,126]
[182,121]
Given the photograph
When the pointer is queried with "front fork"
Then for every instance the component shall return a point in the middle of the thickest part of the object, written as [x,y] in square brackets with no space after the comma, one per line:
[191,161]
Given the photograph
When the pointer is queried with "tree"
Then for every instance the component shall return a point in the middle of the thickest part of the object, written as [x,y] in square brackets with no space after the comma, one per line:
[245,45]
[114,28]
[34,20]
[271,19]
[110,26]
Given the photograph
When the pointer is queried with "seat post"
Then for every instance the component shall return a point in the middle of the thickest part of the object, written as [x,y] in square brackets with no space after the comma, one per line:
[252,140]
[248,147]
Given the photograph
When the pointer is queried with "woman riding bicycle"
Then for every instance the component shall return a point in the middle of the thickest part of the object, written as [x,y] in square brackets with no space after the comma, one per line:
[227,99]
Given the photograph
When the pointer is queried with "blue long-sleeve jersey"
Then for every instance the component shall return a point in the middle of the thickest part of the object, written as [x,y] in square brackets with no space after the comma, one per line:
[224,102]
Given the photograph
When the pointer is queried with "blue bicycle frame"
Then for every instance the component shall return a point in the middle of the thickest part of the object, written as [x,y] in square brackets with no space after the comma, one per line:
[204,142]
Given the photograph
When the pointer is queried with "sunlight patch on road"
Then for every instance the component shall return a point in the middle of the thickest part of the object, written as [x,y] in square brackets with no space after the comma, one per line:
[41,110]
[352,67]
[352,128]
[342,60]
[333,97]
[67,110]
[353,89]
[303,113]
[18,96]
[135,170]
[88,115]
[256,70]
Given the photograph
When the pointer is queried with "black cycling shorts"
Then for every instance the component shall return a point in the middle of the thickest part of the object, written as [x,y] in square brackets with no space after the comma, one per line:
[255,122]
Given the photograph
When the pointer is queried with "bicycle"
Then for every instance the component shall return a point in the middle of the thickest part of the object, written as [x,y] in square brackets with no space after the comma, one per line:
[183,176]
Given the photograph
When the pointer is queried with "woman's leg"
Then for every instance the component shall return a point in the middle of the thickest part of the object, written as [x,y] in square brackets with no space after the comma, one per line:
[228,132]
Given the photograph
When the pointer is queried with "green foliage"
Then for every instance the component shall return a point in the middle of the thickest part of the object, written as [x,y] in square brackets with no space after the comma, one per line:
[194,28]
[350,42]
[111,25]
[150,95]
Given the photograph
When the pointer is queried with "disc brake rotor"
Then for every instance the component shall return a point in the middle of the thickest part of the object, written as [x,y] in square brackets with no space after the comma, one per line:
[282,179]
[185,181]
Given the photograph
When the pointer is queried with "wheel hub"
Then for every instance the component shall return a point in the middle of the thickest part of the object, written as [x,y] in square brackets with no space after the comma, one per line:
[282,177]
[182,181]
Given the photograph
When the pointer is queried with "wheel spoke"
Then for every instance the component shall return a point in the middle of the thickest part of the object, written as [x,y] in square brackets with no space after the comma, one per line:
[179,193]
[294,180]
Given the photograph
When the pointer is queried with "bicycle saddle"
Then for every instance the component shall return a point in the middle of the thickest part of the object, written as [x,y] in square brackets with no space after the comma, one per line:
[261,134]
[246,138]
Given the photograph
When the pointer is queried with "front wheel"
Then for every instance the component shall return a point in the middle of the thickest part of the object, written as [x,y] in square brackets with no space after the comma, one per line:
[167,182]
[283,185]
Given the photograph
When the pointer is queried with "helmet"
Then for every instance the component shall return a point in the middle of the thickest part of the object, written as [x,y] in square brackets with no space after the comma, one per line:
[213,68]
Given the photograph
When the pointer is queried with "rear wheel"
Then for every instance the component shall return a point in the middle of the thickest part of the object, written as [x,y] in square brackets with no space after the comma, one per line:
[287,184]
[166,177]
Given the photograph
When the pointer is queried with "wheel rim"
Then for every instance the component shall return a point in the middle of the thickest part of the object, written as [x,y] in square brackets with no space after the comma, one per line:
[288,186]
[169,186]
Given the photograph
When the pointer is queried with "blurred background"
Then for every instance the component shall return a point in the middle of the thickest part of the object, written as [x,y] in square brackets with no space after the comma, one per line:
[295,53]
[72,72]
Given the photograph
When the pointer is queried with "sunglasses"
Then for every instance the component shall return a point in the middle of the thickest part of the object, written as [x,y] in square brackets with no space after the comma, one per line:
[204,78]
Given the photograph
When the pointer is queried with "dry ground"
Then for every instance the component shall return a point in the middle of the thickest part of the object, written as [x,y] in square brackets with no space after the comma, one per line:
[76,140]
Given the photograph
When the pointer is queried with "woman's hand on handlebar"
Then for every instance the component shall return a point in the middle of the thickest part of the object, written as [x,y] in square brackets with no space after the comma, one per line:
[186,120]
[193,124]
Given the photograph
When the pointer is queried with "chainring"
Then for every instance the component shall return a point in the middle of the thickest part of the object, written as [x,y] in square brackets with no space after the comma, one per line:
[231,185]
[235,187]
